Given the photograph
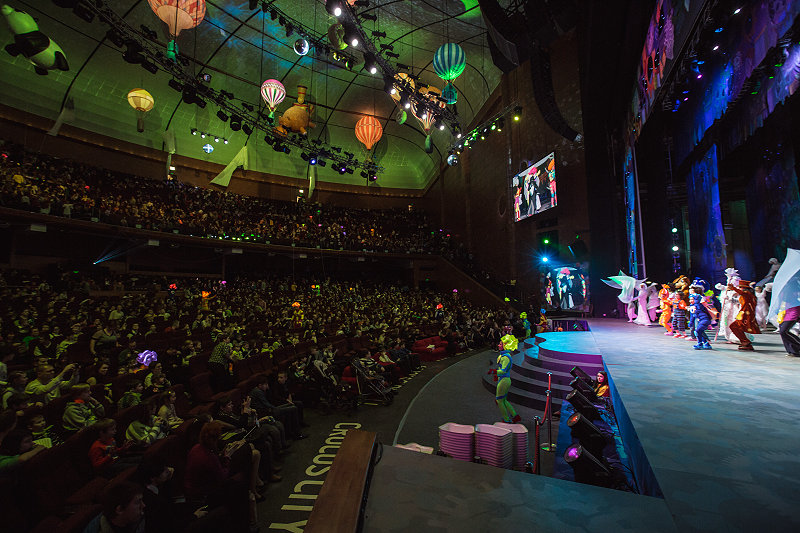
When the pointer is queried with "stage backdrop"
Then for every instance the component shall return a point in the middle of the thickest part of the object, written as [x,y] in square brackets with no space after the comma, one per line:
[773,206]
[709,258]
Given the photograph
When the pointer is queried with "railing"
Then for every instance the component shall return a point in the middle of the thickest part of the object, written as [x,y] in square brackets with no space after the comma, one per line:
[338,508]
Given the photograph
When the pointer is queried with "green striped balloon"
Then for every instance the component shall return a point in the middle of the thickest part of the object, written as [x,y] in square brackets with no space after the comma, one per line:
[449,61]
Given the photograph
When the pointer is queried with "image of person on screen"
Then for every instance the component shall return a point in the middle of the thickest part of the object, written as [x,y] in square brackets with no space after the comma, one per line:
[517,203]
[542,191]
[528,189]
[551,177]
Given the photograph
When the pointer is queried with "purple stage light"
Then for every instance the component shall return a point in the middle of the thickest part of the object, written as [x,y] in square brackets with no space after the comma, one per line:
[573,452]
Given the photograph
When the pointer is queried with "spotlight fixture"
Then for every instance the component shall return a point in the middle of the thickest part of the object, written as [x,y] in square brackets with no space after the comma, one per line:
[216,139]
[273,14]
[716,47]
[587,433]
[373,177]
[83,12]
[202,135]
[333,7]
[578,372]
[321,162]
[247,129]
[224,141]
[222,116]
[152,68]
[370,64]
[133,53]
[350,34]
[236,122]
[583,405]
[312,160]
[382,35]
[289,30]
[580,385]
[392,54]
[268,139]
[587,468]
[194,131]
[247,106]
[369,16]
[361,3]
[517,113]
[115,38]
[500,123]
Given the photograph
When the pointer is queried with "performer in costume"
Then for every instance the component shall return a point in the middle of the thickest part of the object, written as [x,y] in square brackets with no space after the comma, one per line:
[704,313]
[526,324]
[762,307]
[297,316]
[642,318]
[508,344]
[679,315]
[788,318]
[665,295]
[746,319]
[691,309]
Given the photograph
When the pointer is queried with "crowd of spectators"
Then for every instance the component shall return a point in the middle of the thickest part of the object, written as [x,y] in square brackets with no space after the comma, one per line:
[152,387]
[62,187]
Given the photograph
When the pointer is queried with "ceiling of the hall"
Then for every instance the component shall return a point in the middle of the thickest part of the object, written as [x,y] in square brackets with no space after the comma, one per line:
[239,55]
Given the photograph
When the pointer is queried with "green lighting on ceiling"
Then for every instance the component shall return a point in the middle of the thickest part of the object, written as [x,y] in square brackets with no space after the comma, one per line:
[546,241]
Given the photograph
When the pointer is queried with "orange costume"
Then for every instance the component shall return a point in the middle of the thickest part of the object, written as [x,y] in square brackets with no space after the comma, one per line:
[746,319]
[666,308]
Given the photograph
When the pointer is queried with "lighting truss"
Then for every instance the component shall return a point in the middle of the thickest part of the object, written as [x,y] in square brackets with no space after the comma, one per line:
[204,93]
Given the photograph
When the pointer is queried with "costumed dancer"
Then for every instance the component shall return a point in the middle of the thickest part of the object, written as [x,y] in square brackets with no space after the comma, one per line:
[762,307]
[508,344]
[788,319]
[542,326]
[691,308]
[665,295]
[774,266]
[642,318]
[746,319]
[526,324]
[205,296]
[679,315]
[627,286]
[653,302]
[704,313]
[729,305]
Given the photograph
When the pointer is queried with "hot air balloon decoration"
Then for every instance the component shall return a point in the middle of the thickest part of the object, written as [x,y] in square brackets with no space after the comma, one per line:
[450,94]
[449,63]
[424,111]
[273,93]
[178,15]
[142,101]
[369,131]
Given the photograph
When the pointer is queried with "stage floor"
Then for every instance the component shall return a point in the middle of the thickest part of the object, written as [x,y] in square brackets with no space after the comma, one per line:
[719,427]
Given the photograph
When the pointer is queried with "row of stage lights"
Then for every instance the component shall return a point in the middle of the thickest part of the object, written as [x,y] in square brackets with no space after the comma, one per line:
[203,135]
[480,133]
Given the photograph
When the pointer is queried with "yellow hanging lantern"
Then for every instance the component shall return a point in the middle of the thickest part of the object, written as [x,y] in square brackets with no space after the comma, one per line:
[142,101]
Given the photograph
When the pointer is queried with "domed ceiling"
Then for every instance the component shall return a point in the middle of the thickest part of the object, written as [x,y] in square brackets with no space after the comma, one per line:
[241,47]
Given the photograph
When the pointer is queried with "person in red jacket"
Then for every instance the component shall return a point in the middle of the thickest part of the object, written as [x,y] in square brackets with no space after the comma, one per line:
[104,454]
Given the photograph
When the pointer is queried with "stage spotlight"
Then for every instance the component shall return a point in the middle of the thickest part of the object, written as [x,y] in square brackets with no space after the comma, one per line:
[583,429]
[216,139]
[268,139]
[253,4]
[289,30]
[388,86]
[322,162]
[222,116]
[247,129]
[579,384]
[133,53]
[333,7]
[517,113]
[587,468]
[369,16]
[273,14]
[194,131]
[224,141]
[115,38]
[675,248]
[152,68]
[202,135]
[577,372]
[370,65]
[350,34]
[361,3]
[582,405]
[236,122]
[199,102]
[500,123]
[382,35]
[373,177]
[83,12]
[674,230]
[312,160]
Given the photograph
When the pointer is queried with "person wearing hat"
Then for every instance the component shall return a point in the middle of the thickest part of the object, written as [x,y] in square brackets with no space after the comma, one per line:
[746,319]
[703,312]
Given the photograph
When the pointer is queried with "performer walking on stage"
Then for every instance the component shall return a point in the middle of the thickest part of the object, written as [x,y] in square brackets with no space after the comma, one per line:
[746,319]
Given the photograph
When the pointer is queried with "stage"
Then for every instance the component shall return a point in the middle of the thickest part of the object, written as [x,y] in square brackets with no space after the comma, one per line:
[716,430]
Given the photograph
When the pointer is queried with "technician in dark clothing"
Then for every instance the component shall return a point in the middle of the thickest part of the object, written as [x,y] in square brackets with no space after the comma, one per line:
[287,414]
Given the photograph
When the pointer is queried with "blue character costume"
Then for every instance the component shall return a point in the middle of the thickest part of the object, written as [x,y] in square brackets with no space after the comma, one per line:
[691,310]
[703,312]
[508,344]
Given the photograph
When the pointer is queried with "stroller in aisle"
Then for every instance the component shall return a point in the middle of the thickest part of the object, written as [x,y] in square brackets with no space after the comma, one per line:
[334,395]
[371,386]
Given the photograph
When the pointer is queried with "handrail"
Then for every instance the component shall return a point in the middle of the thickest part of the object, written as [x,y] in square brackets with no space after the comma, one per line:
[338,506]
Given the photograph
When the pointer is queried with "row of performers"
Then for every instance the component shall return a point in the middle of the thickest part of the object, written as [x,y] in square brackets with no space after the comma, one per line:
[687,309]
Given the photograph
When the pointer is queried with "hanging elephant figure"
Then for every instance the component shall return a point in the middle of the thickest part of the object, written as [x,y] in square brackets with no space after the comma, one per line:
[34,45]
[298,117]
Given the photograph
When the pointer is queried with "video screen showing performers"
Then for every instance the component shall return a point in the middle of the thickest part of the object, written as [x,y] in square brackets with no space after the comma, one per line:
[535,188]
[566,287]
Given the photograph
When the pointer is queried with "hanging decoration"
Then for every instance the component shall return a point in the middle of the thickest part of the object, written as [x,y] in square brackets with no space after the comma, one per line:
[424,111]
[450,94]
[35,46]
[142,101]
[369,131]
[449,62]
[178,15]
[402,116]
[336,36]
[298,117]
[301,47]
[273,93]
